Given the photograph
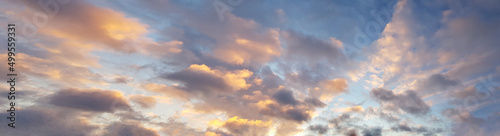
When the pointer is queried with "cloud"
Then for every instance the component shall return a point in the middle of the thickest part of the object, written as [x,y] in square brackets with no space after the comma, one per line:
[435,83]
[376,131]
[174,128]
[356,108]
[342,121]
[320,129]
[285,97]
[408,101]
[56,71]
[202,78]
[309,49]
[171,91]
[129,129]
[402,127]
[244,127]
[90,100]
[144,101]
[48,121]
[101,28]
[329,88]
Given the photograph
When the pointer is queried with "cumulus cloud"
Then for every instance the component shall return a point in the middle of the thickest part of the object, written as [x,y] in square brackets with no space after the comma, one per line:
[285,97]
[408,101]
[205,79]
[90,100]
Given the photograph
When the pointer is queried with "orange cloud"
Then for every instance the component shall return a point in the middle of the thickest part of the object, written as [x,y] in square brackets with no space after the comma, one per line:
[241,126]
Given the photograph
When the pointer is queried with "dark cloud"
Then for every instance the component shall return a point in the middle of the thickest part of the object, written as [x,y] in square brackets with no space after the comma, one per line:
[269,78]
[435,83]
[199,81]
[285,97]
[309,49]
[320,129]
[351,132]
[297,115]
[342,121]
[402,127]
[377,131]
[47,121]
[122,80]
[315,102]
[129,129]
[90,100]
[408,101]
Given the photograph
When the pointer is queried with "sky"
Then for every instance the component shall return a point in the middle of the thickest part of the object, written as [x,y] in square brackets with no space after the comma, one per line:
[253,67]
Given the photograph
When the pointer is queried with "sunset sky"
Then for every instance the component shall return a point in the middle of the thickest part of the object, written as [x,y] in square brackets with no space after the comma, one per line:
[253,67]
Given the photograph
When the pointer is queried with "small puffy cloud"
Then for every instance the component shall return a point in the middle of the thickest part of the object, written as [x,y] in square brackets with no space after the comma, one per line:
[356,108]
[329,88]
[245,127]
[408,101]
[144,101]
[90,100]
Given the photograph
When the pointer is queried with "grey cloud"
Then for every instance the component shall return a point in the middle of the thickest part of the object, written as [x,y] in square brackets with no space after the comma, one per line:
[122,80]
[285,97]
[377,131]
[315,102]
[297,115]
[320,129]
[47,121]
[435,83]
[129,129]
[309,49]
[342,121]
[199,81]
[90,100]
[408,101]
[417,130]
[402,127]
